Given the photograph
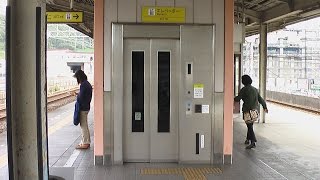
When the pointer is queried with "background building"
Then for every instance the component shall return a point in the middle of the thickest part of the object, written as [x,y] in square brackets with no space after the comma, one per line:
[293,64]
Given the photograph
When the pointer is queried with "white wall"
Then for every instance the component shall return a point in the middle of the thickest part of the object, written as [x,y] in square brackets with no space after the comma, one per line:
[197,12]
[57,64]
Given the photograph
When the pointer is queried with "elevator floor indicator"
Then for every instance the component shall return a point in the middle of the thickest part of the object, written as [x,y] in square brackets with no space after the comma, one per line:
[187,173]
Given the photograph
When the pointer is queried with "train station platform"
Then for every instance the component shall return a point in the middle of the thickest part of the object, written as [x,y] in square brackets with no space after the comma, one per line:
[288,148]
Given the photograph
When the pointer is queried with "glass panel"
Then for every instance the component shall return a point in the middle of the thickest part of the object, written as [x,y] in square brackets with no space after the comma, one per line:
[163,91]
[137,91]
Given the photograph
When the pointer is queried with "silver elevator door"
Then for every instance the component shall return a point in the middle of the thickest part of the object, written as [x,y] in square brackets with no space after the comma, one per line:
[151,100]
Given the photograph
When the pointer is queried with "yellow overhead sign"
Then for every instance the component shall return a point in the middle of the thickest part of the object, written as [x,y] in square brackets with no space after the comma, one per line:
[163,15]
[64,17]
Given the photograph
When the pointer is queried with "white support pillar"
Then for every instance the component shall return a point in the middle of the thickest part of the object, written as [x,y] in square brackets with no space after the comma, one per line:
[26,90]
[263,66]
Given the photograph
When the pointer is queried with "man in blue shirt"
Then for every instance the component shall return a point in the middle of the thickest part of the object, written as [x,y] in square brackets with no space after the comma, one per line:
[84,99]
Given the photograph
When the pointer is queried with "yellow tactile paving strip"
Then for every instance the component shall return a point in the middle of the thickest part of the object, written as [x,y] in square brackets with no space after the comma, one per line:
[188,173]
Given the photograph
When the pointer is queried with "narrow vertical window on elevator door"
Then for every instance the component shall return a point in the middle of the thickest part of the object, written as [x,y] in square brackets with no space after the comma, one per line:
[137,91]
[163,91]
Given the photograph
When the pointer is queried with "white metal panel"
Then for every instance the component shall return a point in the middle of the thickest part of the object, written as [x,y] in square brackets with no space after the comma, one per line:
[136,144]
[117,90]
[197,47]
[188,4]
[110,16]
[151,31]
[237,48]
[218,121]
[164,145]
[140,4]
[238,33]
[127,11]
[218,20]
[203,11]
[107,129]
[217,132]
[168,3]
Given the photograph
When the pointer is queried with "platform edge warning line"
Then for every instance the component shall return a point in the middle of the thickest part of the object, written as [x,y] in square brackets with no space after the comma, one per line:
[52,129]
[273,169]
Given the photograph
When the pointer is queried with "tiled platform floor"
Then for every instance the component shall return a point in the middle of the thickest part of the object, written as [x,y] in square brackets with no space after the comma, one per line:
[288,148]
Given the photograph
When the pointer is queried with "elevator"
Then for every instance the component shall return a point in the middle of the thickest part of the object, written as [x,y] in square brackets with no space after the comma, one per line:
[162,95]
[151,100]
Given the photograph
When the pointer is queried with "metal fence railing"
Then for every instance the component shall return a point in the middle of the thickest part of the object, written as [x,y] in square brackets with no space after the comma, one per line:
[53,87]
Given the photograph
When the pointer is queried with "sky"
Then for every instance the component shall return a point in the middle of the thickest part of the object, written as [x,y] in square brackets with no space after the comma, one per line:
[312,24]
[309,24]
[3,4]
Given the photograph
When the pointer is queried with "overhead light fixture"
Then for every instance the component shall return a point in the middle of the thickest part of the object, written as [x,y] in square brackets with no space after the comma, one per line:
[71,4]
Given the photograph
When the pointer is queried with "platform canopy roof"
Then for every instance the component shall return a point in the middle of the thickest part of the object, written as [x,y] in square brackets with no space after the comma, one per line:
[86,6]
[276,13]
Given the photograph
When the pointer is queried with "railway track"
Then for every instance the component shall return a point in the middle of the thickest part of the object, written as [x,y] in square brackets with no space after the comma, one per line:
[61,95]
[53,100]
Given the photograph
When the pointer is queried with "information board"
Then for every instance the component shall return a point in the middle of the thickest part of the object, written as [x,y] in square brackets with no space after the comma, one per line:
[198,90]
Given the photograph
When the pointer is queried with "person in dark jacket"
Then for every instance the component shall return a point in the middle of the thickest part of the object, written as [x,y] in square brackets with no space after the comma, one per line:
[251,99]
[84,99]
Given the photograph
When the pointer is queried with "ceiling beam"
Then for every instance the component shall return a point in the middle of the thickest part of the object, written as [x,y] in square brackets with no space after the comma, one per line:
[283,10]
[76,6]
[78,28]
[253,15]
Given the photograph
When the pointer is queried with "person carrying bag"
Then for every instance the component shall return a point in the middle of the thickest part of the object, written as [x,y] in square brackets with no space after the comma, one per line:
[82,108]
[251,99]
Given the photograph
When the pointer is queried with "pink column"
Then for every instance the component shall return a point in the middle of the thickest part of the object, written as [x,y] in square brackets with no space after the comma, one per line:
[98,77]
[228,79]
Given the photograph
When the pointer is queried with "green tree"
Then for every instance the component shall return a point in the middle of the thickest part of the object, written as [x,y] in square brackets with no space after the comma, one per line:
[2,32]
[64,37]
